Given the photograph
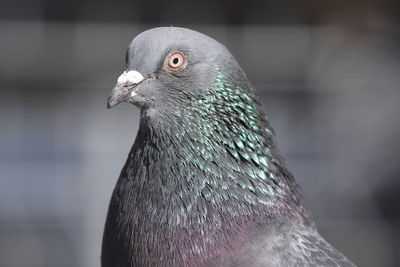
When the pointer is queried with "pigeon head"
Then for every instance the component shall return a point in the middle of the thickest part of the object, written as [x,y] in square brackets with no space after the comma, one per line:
[168,67]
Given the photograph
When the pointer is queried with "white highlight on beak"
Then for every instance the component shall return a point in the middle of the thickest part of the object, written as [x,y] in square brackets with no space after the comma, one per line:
[131,76]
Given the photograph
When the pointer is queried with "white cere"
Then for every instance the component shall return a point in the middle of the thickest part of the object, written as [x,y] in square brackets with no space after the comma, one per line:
[131,76]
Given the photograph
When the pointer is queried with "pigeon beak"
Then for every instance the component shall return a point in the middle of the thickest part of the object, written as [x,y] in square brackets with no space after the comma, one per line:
[125,86]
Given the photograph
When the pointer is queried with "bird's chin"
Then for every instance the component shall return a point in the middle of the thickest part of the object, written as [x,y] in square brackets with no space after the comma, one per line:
[138,100]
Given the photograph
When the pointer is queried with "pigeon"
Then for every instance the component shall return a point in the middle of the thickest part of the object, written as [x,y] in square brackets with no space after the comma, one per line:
[204,183]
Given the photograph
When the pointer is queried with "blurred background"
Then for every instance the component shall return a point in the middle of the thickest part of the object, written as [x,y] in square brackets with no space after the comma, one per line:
[327,72]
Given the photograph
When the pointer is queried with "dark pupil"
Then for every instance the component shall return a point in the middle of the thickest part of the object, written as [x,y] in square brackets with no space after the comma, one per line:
[175,61]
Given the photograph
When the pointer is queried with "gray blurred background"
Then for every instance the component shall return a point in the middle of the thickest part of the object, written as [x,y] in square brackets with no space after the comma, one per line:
[328,73]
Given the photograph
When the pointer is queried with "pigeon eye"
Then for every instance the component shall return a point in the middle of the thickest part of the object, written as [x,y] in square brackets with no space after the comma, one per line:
[176,60]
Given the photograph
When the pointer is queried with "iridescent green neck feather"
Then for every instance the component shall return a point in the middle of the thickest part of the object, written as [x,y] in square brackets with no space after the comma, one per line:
[202,178]
[217,150]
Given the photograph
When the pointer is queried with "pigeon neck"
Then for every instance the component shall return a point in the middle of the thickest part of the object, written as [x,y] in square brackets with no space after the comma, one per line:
[219,150]
[202,180]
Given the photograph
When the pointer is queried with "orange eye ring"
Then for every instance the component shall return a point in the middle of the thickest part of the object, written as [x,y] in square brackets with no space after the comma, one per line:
[176,60]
